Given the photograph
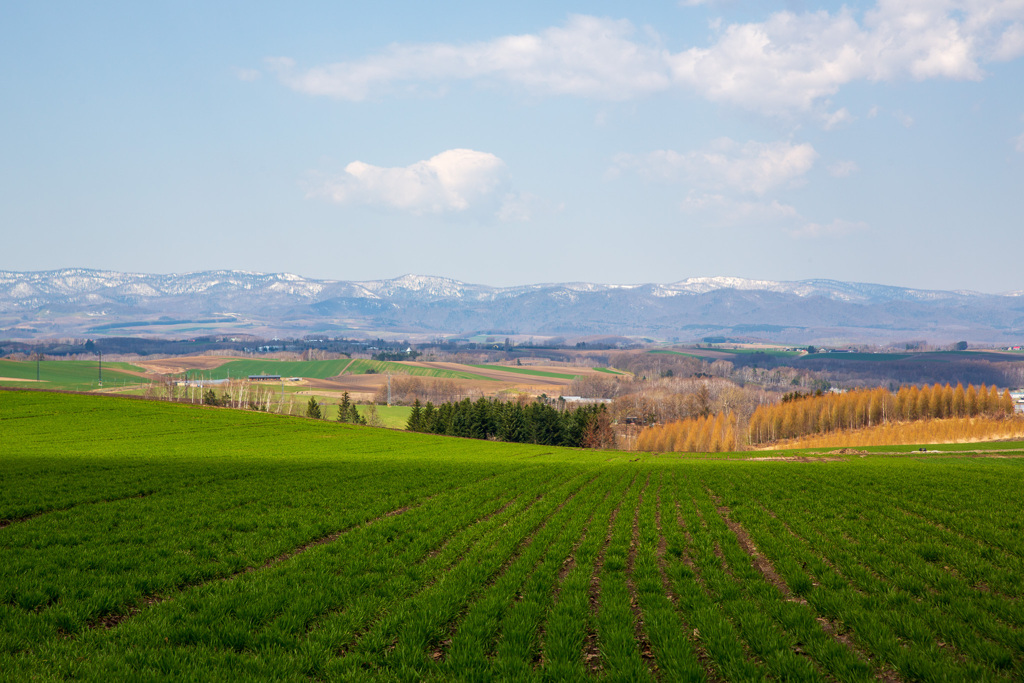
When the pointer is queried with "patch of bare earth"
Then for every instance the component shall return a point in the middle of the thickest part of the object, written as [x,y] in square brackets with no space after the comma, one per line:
[170,366]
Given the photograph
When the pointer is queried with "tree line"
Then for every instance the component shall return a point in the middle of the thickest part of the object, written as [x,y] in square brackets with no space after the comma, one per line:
[824,413]
[586,426]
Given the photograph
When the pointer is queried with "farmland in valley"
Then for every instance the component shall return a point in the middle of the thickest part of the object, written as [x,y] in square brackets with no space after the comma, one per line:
[69,375]
[317,369]
[153,540]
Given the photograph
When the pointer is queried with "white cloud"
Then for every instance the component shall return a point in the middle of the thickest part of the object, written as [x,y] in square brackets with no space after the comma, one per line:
[723,210]
[517,207]
[248,75]
[589,56]
[843,169]
[789,62]
[836,118]
[453,180]
[754,167]
[906,120]
[1018,143]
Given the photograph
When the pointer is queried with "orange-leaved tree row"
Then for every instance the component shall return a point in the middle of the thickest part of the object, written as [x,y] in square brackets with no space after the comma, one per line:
[828,413]
[711,434]
[940,430]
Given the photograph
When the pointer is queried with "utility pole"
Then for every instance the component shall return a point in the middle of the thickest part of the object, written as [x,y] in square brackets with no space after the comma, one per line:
[101,368]
[389,388]
[38,356]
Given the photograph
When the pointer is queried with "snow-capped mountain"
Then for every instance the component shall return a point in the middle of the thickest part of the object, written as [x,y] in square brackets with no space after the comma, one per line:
[78,301]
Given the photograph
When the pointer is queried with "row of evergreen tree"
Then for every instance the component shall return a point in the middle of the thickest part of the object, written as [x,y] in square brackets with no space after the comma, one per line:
[585,426]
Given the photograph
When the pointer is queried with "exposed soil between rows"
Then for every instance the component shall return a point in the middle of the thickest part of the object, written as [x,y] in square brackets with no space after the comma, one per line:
[642,640]
[445,571]
[111,620]
[702,654]
[439,654]
[764,566]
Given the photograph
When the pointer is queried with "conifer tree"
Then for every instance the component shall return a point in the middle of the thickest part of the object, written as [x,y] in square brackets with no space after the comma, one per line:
[313,409]
[343,408]
[415,421]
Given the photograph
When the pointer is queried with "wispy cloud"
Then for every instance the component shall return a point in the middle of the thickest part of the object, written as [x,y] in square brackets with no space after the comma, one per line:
[752,167]
[454,180]
[843,169]
[724,210]
[791,62]
[248,75]
[589,57]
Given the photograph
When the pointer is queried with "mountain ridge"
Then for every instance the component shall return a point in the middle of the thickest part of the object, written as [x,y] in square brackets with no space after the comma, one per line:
[70,301]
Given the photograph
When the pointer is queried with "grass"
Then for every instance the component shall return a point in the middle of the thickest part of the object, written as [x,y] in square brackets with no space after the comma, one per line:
[326,369]
[677,353]
[767,352]
[68,375]
[878,357]
[146,540]
[525,371]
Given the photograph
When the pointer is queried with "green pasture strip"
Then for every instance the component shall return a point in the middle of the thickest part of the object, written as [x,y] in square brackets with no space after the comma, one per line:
[878,357]
[767,352]
[610,371]
[524,371]
[363,367]
[678,353]
[68,375]
[241,369]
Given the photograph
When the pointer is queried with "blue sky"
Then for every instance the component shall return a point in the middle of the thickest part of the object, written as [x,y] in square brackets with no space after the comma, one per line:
[534,142]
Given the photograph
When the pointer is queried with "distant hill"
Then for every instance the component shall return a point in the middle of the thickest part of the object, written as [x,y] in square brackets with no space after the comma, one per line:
[82,302]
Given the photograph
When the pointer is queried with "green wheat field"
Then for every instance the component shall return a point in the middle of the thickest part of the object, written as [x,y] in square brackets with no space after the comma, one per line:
[155,541]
